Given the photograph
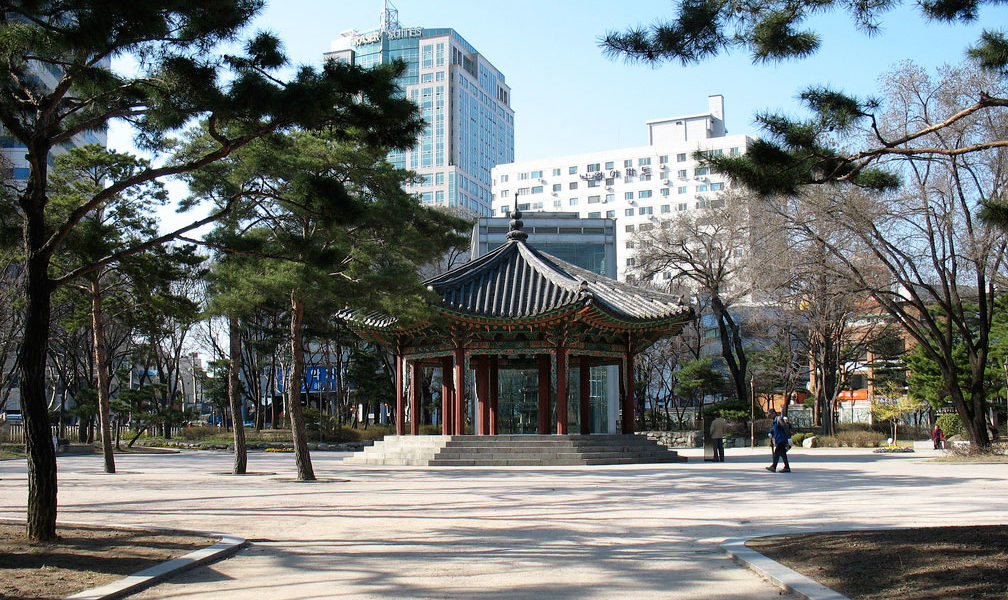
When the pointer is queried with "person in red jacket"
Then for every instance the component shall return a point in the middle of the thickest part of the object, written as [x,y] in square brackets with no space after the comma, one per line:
[938,437]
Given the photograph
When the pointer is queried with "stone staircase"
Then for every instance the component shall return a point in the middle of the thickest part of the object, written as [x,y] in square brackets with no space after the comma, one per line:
[514,450]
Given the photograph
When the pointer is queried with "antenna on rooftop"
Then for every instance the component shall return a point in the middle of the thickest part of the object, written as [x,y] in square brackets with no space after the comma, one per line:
[389,17]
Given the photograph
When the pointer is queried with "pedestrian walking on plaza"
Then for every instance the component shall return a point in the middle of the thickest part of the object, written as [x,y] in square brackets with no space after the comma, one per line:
[938,437]
[780,434]
[718,428]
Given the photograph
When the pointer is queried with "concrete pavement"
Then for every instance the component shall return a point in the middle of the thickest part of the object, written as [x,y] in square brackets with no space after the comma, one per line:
[639,531]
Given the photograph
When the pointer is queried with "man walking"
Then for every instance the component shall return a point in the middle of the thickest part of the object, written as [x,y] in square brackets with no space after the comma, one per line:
[718,427]
[780,434]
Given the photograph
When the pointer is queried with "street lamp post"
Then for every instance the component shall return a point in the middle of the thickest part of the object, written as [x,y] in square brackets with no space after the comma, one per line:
[752,413]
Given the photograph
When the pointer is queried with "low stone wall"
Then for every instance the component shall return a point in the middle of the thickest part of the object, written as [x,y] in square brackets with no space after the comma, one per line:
[675,439]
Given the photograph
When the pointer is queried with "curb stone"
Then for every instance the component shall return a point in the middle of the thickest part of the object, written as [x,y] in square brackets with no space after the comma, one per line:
[781,576]
[225,547]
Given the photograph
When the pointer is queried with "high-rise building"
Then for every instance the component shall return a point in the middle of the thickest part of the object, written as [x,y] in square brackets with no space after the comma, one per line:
[464,101]
[639,187]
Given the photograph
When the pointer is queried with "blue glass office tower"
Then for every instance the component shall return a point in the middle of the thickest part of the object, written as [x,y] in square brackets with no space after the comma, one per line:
[465,103]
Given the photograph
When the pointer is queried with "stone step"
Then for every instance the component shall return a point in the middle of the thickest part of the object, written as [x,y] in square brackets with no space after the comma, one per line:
[514,450]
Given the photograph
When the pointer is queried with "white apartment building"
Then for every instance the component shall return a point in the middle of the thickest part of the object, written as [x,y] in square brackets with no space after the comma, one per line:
[636,186]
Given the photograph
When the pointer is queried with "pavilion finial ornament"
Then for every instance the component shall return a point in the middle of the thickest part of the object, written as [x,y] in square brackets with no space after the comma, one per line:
[516,232]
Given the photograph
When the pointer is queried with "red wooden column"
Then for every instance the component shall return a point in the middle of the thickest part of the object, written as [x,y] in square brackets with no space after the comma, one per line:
[584,383]
[416,380]
[628,398]
[447,396]
[544,393]
[481,403]
[458,410]
[494,381]
[561,377]
[400,417]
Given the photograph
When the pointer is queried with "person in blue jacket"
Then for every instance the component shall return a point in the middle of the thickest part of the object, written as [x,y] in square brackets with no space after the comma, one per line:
[780,433]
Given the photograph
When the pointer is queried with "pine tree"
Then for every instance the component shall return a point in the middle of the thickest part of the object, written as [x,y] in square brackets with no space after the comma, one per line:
[185,74]
[330,226]
[797,152]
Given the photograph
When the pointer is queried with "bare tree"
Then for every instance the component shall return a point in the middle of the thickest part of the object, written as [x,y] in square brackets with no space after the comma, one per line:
[708,251]
[939,262]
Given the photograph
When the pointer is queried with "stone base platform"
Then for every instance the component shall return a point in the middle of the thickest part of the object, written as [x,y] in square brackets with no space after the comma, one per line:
[514,450]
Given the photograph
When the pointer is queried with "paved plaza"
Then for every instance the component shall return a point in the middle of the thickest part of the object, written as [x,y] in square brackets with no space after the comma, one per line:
[639,531]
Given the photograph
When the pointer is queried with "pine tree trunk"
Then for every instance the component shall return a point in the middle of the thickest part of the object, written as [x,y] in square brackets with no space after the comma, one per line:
[234,396]
[42,499]
[294,379]
[101,370]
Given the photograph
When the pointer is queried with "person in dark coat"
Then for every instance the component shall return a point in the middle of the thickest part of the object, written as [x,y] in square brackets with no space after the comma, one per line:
[780,434]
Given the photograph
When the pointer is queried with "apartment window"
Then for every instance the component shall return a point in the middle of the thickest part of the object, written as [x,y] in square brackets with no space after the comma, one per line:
[666,208]
[681,173]
[572,170]
[523,206]
[537,189]
[680,157]
[504,194]
[610,214]
[572,185]
[644,194]
[556,172]
[522,175]
[645,227]
[629,228]
[644,210]
[681,207]
[594,183]
[536,174]
[628,212]
[681,189]
[594,199]
[664,191]
[592,167]
[701,171]
[558,203]
[504,178]
[523,191]
[663,159]
[556,187]
[645,177]
[610,181]
[630,244]
[716,187]
[628,195]
[734,152]
[630,262]
[643,161]
[610,165]
[702,187]
[628,163]
[594,215]
[610,197]
[573,201]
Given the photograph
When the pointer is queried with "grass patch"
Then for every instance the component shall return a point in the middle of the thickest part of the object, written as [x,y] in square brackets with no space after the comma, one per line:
[11,450]
[972,458]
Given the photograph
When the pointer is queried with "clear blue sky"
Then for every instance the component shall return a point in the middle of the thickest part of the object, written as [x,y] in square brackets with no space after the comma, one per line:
[569,98]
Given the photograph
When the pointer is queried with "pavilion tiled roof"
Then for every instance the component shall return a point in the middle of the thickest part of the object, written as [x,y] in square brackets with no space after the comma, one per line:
[516,282]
